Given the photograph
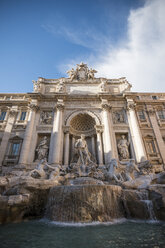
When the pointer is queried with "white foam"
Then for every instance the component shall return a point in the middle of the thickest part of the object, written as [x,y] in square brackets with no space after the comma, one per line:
[97,223]
[83,224]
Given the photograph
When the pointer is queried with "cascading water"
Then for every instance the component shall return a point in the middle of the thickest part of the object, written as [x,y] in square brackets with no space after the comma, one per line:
[149,205]
[85,203]
[137,205]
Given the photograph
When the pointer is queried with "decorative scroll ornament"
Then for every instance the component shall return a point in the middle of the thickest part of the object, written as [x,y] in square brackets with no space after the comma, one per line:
[82,72]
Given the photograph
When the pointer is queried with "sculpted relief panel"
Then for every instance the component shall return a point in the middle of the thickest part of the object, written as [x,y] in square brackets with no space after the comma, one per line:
[118,116]
[46,117]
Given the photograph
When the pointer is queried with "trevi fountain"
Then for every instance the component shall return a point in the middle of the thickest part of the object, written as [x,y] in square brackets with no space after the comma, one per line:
[85,159]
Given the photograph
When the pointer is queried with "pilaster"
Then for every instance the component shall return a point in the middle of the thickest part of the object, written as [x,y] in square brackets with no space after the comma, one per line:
[28,136]
[56,143]
[7,132]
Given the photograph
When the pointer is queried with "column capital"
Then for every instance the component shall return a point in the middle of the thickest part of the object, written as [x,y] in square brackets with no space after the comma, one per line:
[60,105]
[66,129]
[105,105]
[13,112]
[33,107]
[131,105]
[99,128]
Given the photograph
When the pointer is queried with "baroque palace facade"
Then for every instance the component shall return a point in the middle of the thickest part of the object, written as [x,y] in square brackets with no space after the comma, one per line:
[115,122]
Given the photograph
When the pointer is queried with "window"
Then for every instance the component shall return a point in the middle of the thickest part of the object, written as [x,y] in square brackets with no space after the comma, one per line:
[150,146]
[2,116]
[23,116]
[161,114]
[15,149]
[141,115]
[154,97]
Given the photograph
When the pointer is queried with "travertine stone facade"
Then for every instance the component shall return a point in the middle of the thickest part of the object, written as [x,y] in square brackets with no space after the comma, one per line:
[116,122]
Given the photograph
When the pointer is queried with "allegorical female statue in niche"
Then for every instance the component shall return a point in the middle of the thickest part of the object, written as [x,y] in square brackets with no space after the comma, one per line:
[123,145]
[42,149]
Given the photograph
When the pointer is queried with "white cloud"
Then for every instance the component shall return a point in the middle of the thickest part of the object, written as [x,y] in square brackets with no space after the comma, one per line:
[87,37]
[141,57]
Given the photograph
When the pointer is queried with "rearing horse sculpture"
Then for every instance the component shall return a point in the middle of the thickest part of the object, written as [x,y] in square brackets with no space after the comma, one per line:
[111,171]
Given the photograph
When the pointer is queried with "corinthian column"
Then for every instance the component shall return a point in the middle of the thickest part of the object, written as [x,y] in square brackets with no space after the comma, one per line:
[107,140]
[28,136]
[56,135]
[135,132]
[66,147]
[99,146]
[7,132]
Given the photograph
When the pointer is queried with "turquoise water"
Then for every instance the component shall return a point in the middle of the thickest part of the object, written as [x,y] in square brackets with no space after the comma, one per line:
[44,234]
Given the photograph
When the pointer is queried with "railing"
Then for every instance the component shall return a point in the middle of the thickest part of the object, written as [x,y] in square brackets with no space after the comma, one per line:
[10,159]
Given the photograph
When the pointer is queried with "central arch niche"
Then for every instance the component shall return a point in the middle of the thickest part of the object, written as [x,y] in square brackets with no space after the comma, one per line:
[82,124]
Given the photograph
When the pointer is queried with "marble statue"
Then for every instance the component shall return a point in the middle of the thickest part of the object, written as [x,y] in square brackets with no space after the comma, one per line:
[42,149]
[129,169]
[91,73]
[53,171]
[82,72]
[72,74]
[123,145]
[112,174]
[36,86]
[82,150]
[61,88]
[39,171]
[103,85]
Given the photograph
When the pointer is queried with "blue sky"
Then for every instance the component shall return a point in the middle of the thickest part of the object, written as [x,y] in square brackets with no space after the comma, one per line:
[47,37]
